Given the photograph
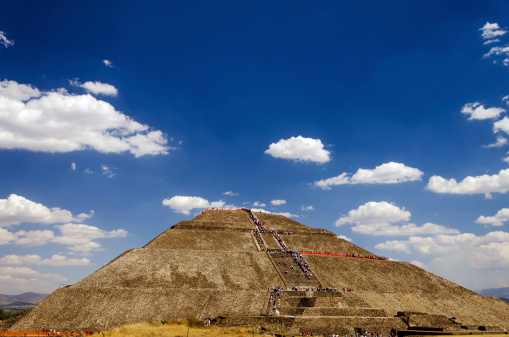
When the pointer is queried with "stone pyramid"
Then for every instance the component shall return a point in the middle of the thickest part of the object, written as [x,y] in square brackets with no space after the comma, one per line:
[256,269]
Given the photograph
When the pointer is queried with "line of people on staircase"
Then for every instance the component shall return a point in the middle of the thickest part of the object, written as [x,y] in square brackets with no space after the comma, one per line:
[296,255]
[359,256]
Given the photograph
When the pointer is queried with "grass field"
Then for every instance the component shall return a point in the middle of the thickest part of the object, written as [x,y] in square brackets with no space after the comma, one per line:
[177,329]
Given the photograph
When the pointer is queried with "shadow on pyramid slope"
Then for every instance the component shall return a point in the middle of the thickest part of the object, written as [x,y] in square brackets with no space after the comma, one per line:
[224,266]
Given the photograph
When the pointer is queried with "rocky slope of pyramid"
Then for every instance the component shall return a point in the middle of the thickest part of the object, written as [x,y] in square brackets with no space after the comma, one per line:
[222,266]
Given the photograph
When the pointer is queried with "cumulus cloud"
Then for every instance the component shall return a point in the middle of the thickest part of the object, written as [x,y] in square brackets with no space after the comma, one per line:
[184,204]
[61,122]
[73,166]
[491,30]
[307,208]
[62,260]
[96,88]
[418,264]
[18,259]
[344,238]
[468,243]
[34,238]
[496,220]
[108,63]
[18,271]
[5,41]
[18,92]
[380,218]
[498,183]
[28,272]
[230,193]
[259,204]
[79,236]
[17,285]
[287,214]
[388,173]
[6,236]
[17,209]
[502,125]
[299,149]
[278,202]
[501,141]
[477,111]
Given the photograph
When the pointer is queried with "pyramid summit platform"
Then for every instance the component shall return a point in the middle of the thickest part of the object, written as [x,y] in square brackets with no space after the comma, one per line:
[243,268]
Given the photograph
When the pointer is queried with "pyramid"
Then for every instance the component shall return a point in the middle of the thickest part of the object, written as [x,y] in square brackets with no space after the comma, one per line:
[244,268]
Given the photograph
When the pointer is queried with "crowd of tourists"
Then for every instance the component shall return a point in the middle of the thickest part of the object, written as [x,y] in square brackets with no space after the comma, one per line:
[296,255]
[259,239]
[359,256]
[55,332]
[365,334]
[275,295]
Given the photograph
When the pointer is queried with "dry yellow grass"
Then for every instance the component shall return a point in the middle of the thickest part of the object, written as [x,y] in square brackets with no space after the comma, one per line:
[178,329]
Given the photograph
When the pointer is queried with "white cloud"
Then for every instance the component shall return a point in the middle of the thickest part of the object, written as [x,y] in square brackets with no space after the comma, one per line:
[184,204]
[88,171]
[18,271]
[307,208]
[108,63]
[278,202]
[77,236]
[259,204]
[491,30]
[14,285]
[28,272]
[378,218]
[230,193]
[6,236]
[83,216]
[18,92]
[469,244]
[287,214]
[498,51]
[496,220]
[502,125]
[86,247]
[62,260]
[34,238]
[501,141]
[96,88]
[61,122]
[73,234]
[418,264]
[18,259]
[17,209]
[73,166]
[477,111]
[344,238]
[4,41]
[471,185]
[107,171]
[388,173]
[491,41]
[300,149]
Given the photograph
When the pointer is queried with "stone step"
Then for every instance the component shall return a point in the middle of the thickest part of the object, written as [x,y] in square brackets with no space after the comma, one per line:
[318,325]
[362,312]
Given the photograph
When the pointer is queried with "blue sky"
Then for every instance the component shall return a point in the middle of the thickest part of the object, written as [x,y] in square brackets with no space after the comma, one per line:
[385,123]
